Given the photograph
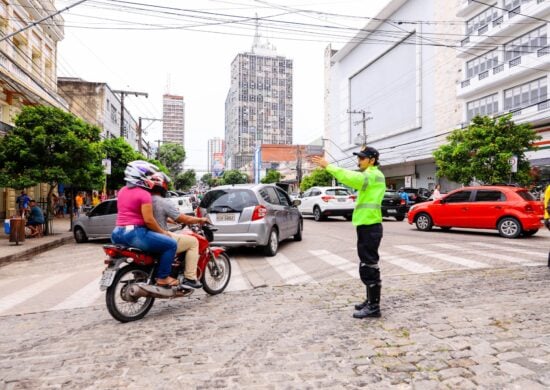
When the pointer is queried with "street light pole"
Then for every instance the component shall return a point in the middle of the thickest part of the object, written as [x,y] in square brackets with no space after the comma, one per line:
[140,130]
[363,120]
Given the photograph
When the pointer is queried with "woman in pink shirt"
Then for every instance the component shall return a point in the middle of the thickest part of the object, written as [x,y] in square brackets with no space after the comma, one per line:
[136,226]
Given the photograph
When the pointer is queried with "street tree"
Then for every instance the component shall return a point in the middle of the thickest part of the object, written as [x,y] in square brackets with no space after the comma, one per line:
[120,153]
[318,177]
[49,145]
[185,180]
[234,176]
[172,156]
[272,176]
[483,151]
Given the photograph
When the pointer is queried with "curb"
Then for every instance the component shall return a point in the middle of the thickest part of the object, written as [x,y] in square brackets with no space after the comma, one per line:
[26,253]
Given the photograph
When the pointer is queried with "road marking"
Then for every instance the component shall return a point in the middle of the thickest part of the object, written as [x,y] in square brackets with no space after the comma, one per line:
[510,249]
[442,256]
[491,255]
[406,264]
[84,297]
[238,281]
[336,261]
[30,291]
[288,271]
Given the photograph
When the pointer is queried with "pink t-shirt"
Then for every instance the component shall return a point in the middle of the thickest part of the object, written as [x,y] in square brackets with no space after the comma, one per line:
[129,202]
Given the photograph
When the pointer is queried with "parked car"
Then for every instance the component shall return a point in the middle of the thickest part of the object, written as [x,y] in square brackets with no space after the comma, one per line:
[417,195]
[99,222]
[510,210]
[394,206]
[252,215]
[322,202]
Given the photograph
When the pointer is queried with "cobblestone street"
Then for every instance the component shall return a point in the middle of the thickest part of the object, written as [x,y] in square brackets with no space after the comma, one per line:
[469,329]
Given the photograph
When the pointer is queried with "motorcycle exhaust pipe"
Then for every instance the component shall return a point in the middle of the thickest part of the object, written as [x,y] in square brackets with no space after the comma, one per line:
[139,290]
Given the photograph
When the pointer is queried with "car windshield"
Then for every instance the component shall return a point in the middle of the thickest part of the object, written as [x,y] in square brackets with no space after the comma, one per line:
[224,200]
[338,191]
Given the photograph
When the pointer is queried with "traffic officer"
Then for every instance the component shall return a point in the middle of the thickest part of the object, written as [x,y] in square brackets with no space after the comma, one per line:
[367,218]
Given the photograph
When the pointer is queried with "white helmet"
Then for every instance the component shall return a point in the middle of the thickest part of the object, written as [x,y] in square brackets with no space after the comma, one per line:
[139,173]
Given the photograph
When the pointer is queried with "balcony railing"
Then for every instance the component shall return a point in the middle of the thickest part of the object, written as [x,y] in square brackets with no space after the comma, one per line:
[514,62]
[483,30]
[544,105]
[483,75]
[498,68]
[465,83]
[498,21]
[515,112]
[514,12]
[544,51]
[465,41]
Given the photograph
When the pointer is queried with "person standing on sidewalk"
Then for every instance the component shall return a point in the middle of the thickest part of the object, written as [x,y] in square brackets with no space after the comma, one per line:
[367,218]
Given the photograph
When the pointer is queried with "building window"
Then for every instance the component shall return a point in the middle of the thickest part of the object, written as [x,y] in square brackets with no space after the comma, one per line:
[525,95]
[528,43]
[512,4]
[482,19]
[481,64]
[484,106]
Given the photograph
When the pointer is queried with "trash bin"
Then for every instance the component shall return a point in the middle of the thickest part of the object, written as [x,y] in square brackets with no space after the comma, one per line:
[17,230]
[7,226]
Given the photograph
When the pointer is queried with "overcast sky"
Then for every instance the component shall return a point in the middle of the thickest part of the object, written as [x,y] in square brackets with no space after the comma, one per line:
[186,48]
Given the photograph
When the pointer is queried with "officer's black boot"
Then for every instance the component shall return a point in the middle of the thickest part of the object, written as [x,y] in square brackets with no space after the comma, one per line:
[360,306]
[372,309]
[548,259]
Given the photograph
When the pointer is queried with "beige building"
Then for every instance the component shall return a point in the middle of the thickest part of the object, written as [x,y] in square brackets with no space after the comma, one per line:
[173,119]
[28,63]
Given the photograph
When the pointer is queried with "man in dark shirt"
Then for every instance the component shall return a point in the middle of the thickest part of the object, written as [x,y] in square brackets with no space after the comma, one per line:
[36,219]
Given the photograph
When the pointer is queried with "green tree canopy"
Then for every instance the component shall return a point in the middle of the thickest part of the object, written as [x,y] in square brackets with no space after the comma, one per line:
[234,176]
[172,156]
[185,180]
[272,176]
[318,177]
[49,145]
[482,152]
[209,180]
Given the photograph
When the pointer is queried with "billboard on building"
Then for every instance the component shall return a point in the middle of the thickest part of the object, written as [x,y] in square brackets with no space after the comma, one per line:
[218,164]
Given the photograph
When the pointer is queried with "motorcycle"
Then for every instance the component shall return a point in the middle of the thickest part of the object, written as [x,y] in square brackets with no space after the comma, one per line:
[129,276]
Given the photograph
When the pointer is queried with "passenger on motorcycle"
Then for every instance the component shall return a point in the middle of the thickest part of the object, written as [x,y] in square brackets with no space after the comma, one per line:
[164,210]
[136,225]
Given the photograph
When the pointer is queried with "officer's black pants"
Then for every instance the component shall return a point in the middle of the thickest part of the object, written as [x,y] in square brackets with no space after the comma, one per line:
[368,241]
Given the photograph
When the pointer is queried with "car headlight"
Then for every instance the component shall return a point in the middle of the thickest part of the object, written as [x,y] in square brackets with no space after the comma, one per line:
[412,208]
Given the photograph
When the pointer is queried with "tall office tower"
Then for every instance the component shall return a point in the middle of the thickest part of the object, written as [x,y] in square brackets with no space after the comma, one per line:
[258,107]
[216,160]
[173,115]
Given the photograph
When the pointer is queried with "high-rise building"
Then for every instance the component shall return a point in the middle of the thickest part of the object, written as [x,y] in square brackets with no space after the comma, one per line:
[258,107]
[173,119]
[216,159]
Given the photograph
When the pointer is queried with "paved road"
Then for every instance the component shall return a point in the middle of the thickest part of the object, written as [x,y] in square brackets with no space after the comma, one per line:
[68,277]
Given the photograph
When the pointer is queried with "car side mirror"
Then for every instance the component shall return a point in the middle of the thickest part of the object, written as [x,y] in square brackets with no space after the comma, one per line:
[296,202]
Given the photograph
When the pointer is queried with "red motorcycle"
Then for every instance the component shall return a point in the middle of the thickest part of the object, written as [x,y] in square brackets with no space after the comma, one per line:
[129,279]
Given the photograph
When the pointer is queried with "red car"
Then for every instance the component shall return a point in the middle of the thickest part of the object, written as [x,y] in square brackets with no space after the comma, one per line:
[510,210]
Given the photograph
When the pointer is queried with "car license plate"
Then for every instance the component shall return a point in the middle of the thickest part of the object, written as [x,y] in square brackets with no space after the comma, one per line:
[341,199]
[226,217]
[107,278]
[392,211]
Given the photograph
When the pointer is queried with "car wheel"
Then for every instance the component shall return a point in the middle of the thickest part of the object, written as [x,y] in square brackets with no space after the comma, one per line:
[348,217]
[400,218]
[272,244]
[317,215]
[424,222]
[529,233]
[298,235]
[79,235]
[509,227]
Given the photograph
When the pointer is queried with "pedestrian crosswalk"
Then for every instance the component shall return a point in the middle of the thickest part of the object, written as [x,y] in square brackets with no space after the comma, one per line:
[79,287]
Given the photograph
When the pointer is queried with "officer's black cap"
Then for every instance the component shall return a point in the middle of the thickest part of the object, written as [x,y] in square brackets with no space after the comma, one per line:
[368,151]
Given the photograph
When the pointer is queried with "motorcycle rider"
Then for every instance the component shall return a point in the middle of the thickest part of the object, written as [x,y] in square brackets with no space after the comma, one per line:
[367,218]
[136,226]
[163,210]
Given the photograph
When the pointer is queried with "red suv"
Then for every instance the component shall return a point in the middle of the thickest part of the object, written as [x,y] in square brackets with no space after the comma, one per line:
[510,210]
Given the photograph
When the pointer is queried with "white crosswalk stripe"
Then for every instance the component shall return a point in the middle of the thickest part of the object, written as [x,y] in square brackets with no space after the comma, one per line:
[289,272]
[84,297]
[238,281]
[406,264]
[511,249]
[337,261]
[443,256]
[492,255]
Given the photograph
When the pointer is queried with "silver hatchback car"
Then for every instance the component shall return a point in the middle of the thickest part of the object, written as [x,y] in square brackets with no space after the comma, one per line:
[252,215]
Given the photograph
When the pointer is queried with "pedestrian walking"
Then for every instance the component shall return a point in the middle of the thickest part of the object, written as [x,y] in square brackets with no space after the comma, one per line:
[22,202]
[437,192]
[367,218]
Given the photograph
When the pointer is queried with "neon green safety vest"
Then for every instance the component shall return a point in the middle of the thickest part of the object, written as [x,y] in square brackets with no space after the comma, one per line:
[371,185]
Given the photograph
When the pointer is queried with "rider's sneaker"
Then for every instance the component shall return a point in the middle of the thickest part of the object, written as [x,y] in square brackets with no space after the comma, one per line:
[191,283]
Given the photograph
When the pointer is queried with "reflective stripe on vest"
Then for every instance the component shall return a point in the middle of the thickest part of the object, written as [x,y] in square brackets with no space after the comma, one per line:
[367,206]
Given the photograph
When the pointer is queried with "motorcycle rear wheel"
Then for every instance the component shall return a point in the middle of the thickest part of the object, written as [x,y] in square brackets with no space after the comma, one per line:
[217,274]
[120,305]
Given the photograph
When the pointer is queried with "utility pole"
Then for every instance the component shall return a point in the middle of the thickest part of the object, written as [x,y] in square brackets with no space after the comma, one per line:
[363,120]
[158,141]
[122,94]
[141,131]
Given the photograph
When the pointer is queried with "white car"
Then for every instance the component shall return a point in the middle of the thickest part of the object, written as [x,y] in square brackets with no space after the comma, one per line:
[322,202]
[183,203]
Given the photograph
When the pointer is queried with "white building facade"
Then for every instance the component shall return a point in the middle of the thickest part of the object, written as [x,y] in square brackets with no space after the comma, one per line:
[505,60]
[394,87]
[173,119]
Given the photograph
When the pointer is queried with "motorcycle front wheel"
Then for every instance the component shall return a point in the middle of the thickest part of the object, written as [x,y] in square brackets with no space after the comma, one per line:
[216,274]
[120,304]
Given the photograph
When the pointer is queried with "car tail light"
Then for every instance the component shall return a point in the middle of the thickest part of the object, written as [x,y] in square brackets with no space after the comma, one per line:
[402,201]
[528,208]
[259,212]
[327,198]
[198,213]
[353,197]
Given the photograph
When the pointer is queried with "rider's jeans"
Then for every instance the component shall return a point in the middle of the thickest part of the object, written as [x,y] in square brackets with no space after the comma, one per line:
[191,245]
[149,241]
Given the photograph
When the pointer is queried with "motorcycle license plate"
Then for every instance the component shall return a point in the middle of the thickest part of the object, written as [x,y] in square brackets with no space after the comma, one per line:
[107,278]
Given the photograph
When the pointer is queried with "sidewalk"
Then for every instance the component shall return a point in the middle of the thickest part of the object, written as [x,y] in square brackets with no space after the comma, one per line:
[9,251]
